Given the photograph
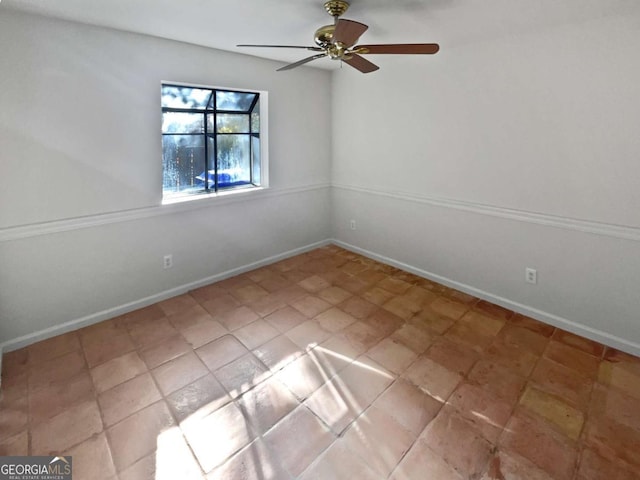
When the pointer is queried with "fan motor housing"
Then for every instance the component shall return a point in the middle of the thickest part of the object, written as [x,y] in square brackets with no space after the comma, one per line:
[324,35]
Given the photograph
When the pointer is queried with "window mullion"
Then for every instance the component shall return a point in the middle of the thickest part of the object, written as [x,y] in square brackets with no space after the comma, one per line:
[215,139]
[206,154]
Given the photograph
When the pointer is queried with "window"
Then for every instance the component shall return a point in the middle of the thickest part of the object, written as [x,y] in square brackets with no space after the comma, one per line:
[211,140]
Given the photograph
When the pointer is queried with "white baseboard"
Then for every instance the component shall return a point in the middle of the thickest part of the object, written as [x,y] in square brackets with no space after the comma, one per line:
[71,325]
[546,317]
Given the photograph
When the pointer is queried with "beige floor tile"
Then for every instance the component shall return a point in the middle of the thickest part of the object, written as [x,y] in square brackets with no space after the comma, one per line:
[53,347]
[242,374]
[334,319]
[408,405]
[205,331]
[151,332]
[165,351]
[92,459]
[199,398]
[221,351]
[379,440]
[266,404]
[138,435]
[564,417]
[334,295]
[458,443]
[254,462]
[298,439]
[358,307]
[454,356]
[17,445]
[127,398]
[221,304]
[448,308]
[422,463]
[278,352]
[237,318]
[488,413]
[256,333]
[308,334]
[57,397]
[14,416]
[432,378]
[108,347]
[392,355]
[304,375]
[66,429]
[55,370]
[177,304]
[497,379]
[217,436]
[285,319]
[551,451]
[416,338]
[573,358]
[504,465]
[117,371]
[335,404]
[179,372]
[563,382]
[339,463]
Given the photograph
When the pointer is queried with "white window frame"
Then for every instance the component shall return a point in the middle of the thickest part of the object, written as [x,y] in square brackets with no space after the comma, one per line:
[264,146]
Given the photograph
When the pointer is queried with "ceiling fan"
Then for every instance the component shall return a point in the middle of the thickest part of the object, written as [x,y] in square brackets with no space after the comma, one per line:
[338,42]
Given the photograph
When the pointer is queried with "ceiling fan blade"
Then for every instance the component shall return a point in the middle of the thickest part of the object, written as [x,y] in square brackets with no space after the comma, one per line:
[302,62]
[314,49]
[399,48]
[348,31]
[361,63]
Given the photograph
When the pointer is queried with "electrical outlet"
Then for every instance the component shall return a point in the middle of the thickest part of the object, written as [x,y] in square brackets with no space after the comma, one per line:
[352,224]
[531,275]
[168,261]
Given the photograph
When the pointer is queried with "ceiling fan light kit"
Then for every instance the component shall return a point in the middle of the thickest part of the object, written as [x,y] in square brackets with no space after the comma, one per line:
[338,42]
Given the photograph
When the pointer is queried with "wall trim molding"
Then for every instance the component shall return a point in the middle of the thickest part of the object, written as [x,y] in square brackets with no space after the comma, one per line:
[567,223]
[76,223]
[545,317]
[100,316]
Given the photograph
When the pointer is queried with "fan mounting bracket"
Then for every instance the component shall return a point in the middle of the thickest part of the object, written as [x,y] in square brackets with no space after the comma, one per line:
[336,8]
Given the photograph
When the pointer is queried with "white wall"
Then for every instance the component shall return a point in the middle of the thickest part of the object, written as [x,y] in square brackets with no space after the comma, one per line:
[80,145]
[490,157]
[542,127]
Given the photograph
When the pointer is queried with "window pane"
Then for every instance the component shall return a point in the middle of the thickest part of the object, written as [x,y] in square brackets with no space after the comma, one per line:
[236,101]
[255,158]
[233,123]
[255,118]
[233,160]
[182,162]
[185,97]
[173,122]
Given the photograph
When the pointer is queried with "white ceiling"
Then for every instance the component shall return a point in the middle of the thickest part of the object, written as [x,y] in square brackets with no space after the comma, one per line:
[223,24]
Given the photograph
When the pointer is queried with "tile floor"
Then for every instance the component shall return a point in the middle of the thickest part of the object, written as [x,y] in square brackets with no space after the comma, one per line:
[327,365]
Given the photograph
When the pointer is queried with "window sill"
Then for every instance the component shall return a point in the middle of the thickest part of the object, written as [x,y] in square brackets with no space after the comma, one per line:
[210,196]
